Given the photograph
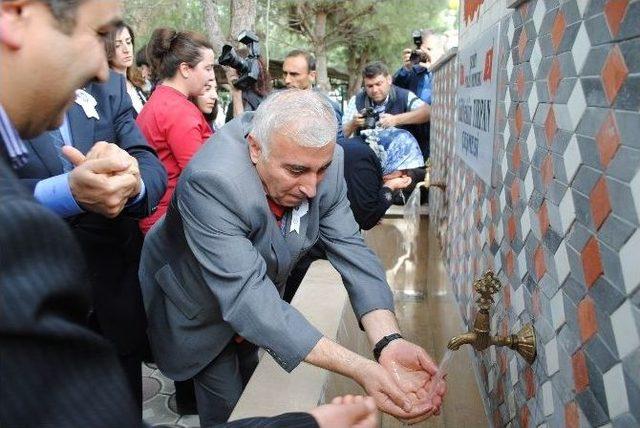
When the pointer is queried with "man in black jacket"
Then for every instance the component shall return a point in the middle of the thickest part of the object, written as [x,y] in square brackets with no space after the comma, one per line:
[100,123]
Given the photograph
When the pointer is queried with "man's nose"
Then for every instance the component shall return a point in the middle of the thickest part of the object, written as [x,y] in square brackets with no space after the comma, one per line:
[287,79]
[309,185]
[102,73]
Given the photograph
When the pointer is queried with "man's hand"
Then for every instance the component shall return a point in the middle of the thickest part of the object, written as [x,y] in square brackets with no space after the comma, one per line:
[414,371]
[103,150]
[101,185]
[347,411]
[387,120]
[406,63]
[398,183]
[380,384]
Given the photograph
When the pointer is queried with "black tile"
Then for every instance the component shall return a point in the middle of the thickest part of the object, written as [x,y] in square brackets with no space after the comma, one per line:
[598,30]
[594,91]
[611,267]
[629,126]
[615,232]
[589,152]
[589,405]
[600,354]
[629,27]
[624,164]
[631,52]
[595,60]
[628,97]
[592,118]
[621,200]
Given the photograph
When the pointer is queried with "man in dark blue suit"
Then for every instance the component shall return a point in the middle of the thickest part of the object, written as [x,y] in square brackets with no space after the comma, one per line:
[54,371]
[100,124]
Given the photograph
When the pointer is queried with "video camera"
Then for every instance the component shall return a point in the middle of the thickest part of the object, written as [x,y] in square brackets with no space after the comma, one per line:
[371,117]
[417,56]
[249,67]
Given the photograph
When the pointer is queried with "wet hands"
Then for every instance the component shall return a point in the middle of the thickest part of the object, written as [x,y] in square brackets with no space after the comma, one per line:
[397,180]
[387,120]
[354,411]
[103,180]
[415,373]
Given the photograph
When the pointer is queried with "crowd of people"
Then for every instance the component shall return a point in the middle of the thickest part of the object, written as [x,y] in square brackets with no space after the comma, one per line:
[136,228]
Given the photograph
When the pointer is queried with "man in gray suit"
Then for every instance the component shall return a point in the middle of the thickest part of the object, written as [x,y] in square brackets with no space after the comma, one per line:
[252,201]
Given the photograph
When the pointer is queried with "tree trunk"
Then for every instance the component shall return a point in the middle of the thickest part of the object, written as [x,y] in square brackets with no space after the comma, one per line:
[320,49]
[243,17]
[356,62]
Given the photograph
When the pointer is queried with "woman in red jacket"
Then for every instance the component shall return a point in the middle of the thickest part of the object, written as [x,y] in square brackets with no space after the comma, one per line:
[173,125]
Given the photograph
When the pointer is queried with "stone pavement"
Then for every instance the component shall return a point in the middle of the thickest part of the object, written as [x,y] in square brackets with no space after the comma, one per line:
[159,401]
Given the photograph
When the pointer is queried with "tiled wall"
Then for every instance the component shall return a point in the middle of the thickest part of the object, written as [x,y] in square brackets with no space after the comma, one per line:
[561,225]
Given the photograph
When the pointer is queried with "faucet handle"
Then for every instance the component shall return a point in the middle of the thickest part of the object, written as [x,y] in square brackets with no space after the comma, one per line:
[486,286]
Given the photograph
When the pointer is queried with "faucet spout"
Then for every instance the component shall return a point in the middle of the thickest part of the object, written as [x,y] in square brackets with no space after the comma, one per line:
[463,339]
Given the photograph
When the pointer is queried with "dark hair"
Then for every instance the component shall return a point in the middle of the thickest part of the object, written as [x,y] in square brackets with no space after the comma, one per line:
[64,12]
[169,48]
[375,69]
[311,60]
[141,57]
[133,74]
[263,84]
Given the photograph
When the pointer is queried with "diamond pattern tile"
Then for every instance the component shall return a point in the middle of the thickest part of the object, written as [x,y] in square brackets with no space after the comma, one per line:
[614,73]
[608,139]
[614,11]
[560,220]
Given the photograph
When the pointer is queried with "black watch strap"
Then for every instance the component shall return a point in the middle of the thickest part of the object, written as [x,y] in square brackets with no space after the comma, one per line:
[384,342]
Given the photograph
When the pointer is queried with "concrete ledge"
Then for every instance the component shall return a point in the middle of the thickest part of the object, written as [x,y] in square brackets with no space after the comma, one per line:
[323,300]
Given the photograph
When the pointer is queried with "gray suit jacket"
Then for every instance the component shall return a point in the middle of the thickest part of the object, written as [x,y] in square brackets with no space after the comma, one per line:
[217,263]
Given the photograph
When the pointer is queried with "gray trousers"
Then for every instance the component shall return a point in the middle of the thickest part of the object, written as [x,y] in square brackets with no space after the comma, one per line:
[219,385]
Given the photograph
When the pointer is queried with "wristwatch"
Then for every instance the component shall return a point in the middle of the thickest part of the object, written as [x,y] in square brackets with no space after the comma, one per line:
[384,342]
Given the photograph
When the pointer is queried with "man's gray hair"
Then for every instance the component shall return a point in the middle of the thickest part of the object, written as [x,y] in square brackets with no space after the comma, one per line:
[305,116]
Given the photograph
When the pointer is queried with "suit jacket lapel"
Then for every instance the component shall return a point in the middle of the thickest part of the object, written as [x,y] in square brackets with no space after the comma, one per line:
[82,130]
[43,148]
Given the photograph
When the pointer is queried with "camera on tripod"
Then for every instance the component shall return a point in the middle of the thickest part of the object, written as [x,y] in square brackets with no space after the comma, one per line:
[371,117]
[417,56]
[249,67]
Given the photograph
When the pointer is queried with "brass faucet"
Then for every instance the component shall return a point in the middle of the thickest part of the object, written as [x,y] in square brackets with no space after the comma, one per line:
[524,342]
[426,183]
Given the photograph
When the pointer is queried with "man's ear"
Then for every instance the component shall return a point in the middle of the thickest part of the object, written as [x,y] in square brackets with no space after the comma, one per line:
[389,79]
[12,23]
[255,150]
[312,75]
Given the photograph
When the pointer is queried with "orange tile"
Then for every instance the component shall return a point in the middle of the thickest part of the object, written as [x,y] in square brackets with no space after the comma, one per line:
[599,200]
[587,320]
[538,262]
[571,417]
[524,416]
[522,43]
[614,11]
[591,262]
[550,127]
[543,219]
[518,120]
[509,268]
[555,75]
[580,371]
[608,139]
[614,72]
[557,30]
[535,303]
[529,382]
[520,83]
[546,170]
[517,158]
[515,192]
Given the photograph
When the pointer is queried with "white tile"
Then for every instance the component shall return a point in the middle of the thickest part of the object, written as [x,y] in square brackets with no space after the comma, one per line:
[503,198]
[532,103]
[510,31]
[531,143]
[528,183]
[513,371]
[629,262]
[547,398]
[562,263]
[522,263]
[582,6]
[511,401]
[517,299]
[576,106]
[557,310]
[616,391]
[567,211]
[551,354]
[509,70]
[635,192]
[536,58]
[624,329]
[572,159]
[580,49]
[525,224]
[563,117]
[538,15]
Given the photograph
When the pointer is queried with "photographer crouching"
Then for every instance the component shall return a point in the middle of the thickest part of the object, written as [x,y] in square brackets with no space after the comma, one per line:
[384,105]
